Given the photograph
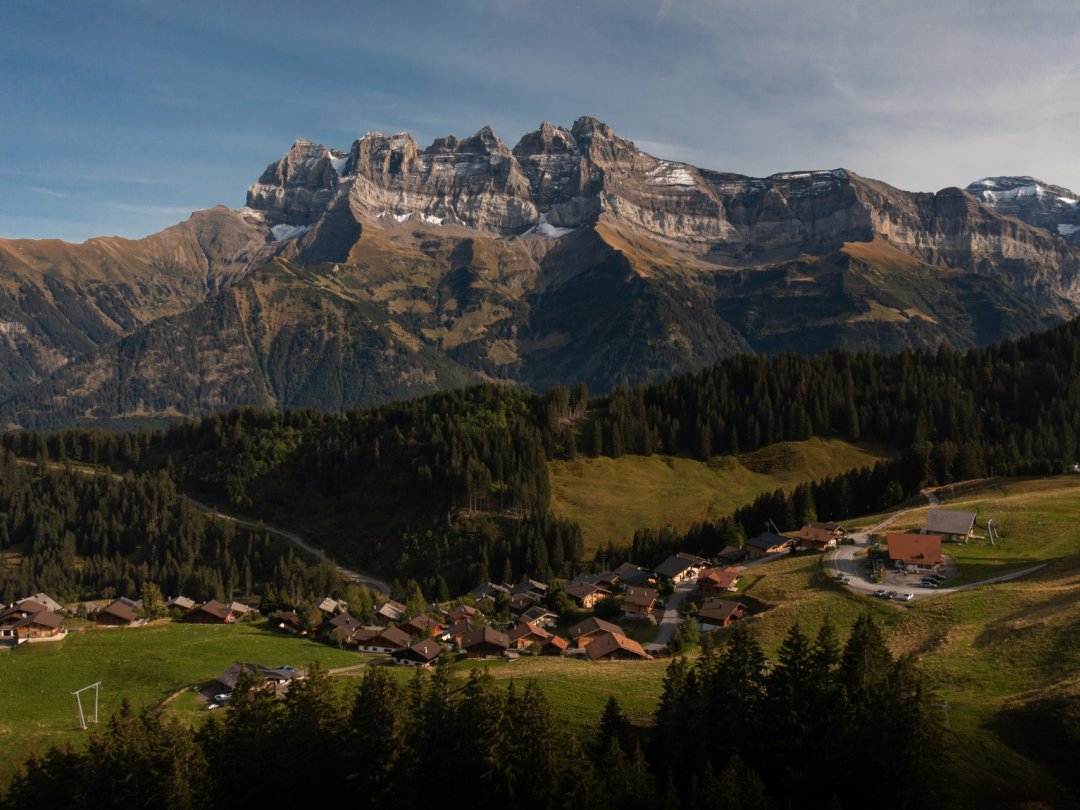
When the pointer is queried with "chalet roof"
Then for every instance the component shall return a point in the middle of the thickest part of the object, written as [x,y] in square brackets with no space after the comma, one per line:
[719,577]
[216,609]
[682,555]
[457,628]
[461,612]
[608,643]
[523,601]
[732,553]
[229,677]
[524,630]
[392,637]
[608,577]
[241,608]
[364,635]
[630,574]
[720,609]
[538,613]
[949,521]
[488,591]
[640,597]
[343,621]
[29,606]
[48,602]
[767,540]
[592,625]
[426,650]
[418,624]
[819,533]
[914,549]
[329,605]
[485,635]
[581,590]
[530,586]
[588,579]
[291,617]
[43,618]
[120,611]
[555,641]
[391,610]
[181,602]
[673,566]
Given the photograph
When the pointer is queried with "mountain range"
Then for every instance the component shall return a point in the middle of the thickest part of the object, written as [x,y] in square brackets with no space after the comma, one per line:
[388,270]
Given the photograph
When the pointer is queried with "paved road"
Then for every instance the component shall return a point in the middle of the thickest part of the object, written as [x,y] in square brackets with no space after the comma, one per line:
[297,540]
[669,618]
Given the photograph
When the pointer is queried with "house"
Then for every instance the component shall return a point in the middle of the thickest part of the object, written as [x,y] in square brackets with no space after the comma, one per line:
[520,602]
[524,635]
[953,526]
[639,601]
[455,632]
[584,632]
[717,580]
[240,609]
[49,603]
[676,568]
[630,574]
[120,613]
[30,620]
[421,654]
[556,645]
[485,642]
[340,628]
[819,536]
[422,625]
[332,606]
[385,640]
[609,579]
[768,543]
[291,622]
[530,586]
[489,590]
[180,603]
[585,594]
[273,679]
[389,612]
[915,552]
[212,612]
[459,613]
[615,647]
[732,554]
[539,615]
[717,613]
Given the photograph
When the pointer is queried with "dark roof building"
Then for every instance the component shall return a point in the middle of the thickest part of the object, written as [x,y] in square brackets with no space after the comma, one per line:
[117,614]
[676,568]
[212,612]
[719,613]
[485,642]
[582,632]
[768,543]
[421,654]
[950,523]
[639,600]
[630,574]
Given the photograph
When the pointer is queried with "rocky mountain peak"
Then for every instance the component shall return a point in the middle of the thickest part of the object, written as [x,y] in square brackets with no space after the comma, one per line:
[1044,205]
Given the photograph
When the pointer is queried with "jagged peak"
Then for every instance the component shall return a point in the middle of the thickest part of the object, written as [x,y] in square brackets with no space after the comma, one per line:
[587,128]
[546,139]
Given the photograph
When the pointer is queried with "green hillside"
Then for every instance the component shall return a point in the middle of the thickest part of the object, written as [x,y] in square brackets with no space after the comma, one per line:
[610,498]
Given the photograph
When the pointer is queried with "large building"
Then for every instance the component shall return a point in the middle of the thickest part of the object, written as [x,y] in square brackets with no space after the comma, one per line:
[918,552]
[953,526]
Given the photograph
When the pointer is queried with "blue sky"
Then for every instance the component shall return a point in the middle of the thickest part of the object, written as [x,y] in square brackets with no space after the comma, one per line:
[123,116]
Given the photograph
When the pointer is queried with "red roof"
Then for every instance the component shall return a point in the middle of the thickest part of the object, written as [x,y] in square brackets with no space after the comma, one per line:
[914,549]
[610,642]
[722,578]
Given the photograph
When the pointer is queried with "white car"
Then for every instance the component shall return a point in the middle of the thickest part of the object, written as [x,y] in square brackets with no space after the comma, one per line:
[907,597]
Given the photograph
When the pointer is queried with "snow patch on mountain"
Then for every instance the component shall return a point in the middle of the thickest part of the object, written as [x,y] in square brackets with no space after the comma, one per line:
[283,233]
[1066,229]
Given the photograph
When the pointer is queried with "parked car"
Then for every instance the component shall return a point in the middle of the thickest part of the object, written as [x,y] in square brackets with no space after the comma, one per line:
[880,592]
[936,577]
[929,583]
[907,597]
[213,706]
[222,698]
[890,595]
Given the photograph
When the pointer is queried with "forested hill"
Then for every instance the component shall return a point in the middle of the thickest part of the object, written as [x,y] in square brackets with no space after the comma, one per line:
[455,485]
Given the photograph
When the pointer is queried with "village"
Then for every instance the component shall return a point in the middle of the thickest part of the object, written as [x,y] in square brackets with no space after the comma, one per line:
[604,610]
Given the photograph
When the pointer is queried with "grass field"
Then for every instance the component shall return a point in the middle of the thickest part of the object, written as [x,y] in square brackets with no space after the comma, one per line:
[144,665]
[612,498]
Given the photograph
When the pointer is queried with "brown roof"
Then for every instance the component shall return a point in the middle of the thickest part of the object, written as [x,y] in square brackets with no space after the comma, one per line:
[555,641]
[642,597]
[610,642]
[581,590]
[418,624]
[392,637]
[818,533]
[914,549]
[343,621]
[120,611]
[719,577]
[427,650]
[523,630]
[592,625]
[461,612]
[721,609]
[485,634]
[215,608]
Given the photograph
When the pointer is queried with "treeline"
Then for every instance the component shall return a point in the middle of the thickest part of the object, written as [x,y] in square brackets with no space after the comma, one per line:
[83,536]
[730,732]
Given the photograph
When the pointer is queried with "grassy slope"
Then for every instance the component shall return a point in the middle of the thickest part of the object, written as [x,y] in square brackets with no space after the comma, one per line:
[144,665]
[611,498]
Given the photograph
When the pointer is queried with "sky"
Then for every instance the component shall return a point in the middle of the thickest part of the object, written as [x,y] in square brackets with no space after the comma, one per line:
[121,117]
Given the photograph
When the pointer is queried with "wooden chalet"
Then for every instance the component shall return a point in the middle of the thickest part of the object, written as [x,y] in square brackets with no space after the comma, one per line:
[488,591]
[681,567]
[340,628]
[819,536]
[732,554]
[717,580]
[420,626]
[389,612]
[119,613]
[520,602]
[768,543]
[385,640]
[455,632]
[584,632]
[49,603]
[716,613]
[530,586]
[586,594]
[273,679]
[459,612]
[523,635]
[332,606]
[485,642]
[180,603]
[30,620]
[615,647]
[609,579]
[630,574]
[212,612]
[291,622]
[420,654]
[540,615]
[951,525]
[914,552]
[556,645]
[639,601]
